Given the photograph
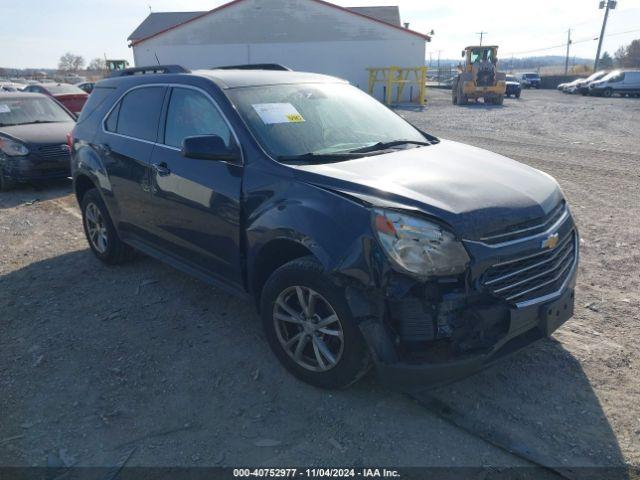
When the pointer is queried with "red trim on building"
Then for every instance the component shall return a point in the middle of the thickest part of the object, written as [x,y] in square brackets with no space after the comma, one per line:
[323,2]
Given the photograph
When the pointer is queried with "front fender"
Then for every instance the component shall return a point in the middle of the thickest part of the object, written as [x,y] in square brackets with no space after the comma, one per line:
[324,222]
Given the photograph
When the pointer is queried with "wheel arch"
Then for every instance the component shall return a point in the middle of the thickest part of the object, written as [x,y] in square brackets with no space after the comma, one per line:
[270,257]
[82,183]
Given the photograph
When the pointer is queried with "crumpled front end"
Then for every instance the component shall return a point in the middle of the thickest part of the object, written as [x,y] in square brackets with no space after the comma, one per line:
[519,288]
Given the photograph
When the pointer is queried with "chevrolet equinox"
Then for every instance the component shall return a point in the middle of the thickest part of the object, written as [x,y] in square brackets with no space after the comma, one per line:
[361,239]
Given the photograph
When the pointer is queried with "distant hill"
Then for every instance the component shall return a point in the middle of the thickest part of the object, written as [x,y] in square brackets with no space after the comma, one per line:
[520,63]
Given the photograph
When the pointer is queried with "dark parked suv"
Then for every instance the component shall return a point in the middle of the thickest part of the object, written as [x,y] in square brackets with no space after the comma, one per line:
[361,239]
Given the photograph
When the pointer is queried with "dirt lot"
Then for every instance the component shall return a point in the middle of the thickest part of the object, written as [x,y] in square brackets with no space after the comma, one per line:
[141,363]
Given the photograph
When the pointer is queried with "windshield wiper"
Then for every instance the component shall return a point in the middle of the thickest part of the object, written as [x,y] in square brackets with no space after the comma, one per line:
[313,157]
[387,145]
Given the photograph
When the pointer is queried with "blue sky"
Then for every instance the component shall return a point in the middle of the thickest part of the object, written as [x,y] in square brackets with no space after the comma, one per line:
[35,33]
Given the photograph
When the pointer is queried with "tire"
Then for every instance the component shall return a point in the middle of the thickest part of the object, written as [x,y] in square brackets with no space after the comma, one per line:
[5,183]
[306,277]
[518,95]
[499,100]
[462,99]
[100,232]
[608,92]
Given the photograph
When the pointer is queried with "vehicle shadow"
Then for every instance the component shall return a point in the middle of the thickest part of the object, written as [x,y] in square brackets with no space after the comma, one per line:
[30,192]
[96,361]
[540,405]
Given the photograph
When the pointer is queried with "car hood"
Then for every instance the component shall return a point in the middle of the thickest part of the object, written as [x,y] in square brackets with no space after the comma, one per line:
[39,133]
[475,191]
[511,82]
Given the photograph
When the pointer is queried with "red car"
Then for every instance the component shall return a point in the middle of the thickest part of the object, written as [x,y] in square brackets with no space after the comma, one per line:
[68,95]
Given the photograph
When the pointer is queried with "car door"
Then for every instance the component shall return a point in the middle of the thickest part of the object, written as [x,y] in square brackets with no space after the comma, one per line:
[125,144]
[196,203]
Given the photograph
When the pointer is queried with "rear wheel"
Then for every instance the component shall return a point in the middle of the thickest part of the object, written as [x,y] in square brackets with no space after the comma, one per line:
[100,232]
[310,328]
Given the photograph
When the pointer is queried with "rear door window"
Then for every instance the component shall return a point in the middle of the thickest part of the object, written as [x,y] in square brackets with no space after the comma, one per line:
[139,114]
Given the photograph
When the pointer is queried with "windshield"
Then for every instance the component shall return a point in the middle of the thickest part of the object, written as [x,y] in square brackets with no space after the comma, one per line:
[303,119]
[63,89]
[21,111]
[511,78]
[531,75]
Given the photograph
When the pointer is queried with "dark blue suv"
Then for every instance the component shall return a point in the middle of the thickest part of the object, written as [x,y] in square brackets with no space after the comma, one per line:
[362,240]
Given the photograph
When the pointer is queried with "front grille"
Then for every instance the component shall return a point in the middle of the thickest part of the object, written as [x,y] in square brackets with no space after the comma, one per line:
[58,151]
[532,276]
[526,229]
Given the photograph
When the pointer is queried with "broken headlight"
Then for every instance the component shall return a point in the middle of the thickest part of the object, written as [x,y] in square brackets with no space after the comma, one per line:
[418,246]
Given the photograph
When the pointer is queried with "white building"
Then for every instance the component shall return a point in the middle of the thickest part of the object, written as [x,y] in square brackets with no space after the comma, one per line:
[305,35]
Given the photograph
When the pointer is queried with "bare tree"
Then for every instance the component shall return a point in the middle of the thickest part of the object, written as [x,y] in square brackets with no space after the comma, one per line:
[97,65]
[70,62]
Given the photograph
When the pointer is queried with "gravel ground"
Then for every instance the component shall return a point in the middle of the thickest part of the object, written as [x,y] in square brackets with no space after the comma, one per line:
[142,362]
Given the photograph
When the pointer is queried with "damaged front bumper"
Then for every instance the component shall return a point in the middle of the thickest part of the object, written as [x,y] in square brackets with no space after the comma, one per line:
[445,360]
[440,332]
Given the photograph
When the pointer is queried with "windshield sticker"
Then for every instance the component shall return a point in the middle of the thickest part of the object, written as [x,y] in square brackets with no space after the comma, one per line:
[4,108]
[275,113]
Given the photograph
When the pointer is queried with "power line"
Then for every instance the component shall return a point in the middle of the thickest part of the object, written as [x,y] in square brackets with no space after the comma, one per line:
[573,42]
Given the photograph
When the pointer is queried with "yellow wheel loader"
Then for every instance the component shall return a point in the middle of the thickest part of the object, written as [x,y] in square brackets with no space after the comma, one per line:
[479,77]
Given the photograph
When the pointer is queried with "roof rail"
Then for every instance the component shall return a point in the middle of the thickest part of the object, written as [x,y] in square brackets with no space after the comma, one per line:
[152,69]
[254,66]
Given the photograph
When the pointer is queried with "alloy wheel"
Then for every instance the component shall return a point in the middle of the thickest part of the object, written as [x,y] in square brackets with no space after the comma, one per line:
[308,329]
[96,228]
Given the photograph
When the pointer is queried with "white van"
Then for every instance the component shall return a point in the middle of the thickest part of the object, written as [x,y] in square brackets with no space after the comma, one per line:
[622,82]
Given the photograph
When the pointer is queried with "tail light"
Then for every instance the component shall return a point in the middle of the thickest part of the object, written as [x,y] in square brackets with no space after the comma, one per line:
[70,141]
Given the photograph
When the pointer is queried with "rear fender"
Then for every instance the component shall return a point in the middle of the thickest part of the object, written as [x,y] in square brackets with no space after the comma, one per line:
[87,162]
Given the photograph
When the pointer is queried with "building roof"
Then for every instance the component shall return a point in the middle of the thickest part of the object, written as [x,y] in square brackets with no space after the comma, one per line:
[390,14]
[157,22]
[160,22]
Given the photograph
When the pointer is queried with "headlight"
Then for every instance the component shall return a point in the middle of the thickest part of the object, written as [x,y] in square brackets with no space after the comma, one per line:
[418,246]
[13,148]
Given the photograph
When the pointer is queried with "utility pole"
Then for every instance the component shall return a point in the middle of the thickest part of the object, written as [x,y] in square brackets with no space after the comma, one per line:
[566,61]
[606,5]
[482,34]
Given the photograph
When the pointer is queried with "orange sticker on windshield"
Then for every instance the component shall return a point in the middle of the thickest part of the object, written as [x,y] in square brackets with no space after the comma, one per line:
[295,118]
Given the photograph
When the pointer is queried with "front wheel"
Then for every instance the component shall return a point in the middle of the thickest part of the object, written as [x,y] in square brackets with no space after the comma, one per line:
[310,328]
[100,232]
[518,95]
[607,92]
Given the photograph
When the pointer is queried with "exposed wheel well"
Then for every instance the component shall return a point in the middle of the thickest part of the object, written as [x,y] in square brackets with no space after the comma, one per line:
[82,185]
[272,256]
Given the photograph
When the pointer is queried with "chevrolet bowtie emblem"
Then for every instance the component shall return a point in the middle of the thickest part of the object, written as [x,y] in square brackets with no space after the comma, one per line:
[551,242]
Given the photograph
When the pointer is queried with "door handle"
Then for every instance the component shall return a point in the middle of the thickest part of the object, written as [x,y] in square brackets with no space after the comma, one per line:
[161,169]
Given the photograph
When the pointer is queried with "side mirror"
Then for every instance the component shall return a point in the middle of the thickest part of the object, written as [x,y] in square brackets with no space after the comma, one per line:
[210,147]
[463,52]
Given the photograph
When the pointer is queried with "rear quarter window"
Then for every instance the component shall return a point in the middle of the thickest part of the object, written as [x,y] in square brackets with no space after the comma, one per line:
[97,100]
